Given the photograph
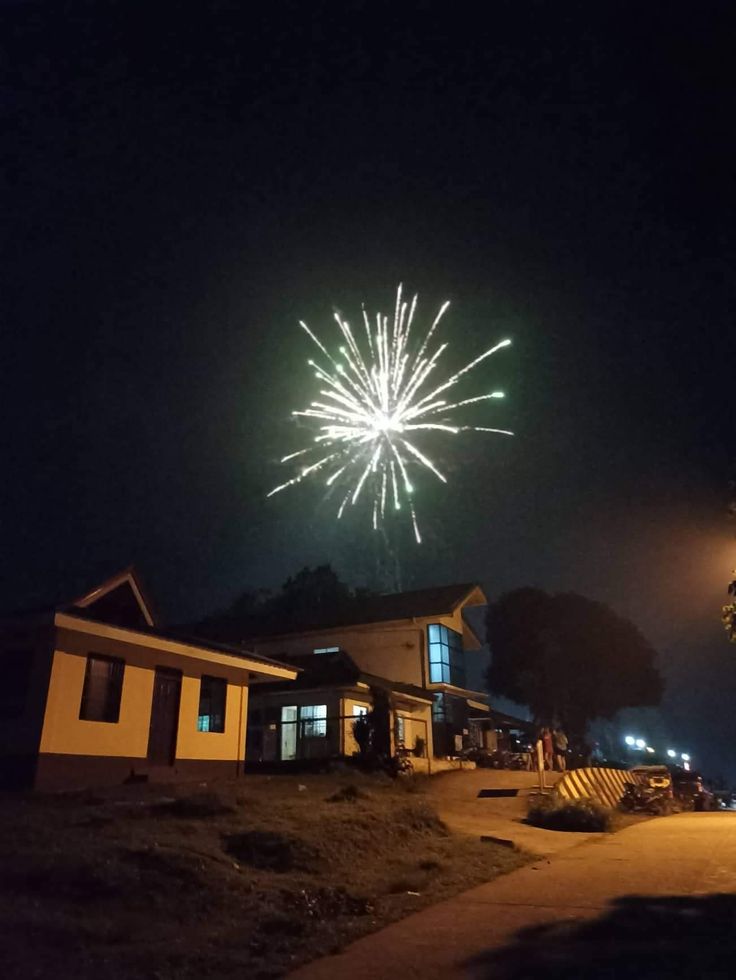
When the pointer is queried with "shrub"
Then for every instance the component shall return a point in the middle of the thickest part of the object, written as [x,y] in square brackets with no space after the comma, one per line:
[584,816]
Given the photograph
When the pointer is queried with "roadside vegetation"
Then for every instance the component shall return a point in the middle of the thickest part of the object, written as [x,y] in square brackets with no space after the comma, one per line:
[242,879]
[581,816]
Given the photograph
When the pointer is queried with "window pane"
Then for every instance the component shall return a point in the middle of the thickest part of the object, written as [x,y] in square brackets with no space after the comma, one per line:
[314,718]
[434,634]
[435,673]
[102,690]
[438,707]
[212,697]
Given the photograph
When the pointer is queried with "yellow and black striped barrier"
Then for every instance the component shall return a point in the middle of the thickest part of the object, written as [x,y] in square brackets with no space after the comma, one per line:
[604,785]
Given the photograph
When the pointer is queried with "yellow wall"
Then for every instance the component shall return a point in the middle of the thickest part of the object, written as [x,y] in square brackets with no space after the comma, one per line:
[350,746]
[397,652]
[417,724]
[64,732]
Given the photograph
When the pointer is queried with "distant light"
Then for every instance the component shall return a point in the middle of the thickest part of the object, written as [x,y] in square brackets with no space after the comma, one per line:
[685,757]
[640,743]
[671,753]
[649,748]
[630,740]
[686,766]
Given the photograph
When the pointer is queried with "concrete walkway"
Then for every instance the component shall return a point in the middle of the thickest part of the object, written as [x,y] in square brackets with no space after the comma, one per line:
[657,899]
[455,797]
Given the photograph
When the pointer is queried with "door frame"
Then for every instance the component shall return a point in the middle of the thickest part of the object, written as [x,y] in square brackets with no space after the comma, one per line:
[174,674]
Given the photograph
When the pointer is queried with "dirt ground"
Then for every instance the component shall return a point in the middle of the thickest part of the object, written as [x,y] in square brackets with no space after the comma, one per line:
[249,878]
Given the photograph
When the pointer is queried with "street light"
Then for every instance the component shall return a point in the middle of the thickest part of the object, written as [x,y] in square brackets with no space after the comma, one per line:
[640,743]
[685,757]
[630,740]
[671,753]
[649,748]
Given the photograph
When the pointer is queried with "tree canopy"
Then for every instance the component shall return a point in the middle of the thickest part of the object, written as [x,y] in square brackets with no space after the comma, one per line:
[303,597]
[568,658]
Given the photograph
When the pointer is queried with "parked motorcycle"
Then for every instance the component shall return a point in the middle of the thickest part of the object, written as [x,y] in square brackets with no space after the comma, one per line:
[640,798]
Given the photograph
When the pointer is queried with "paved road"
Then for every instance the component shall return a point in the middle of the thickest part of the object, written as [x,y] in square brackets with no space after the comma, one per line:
[655,900]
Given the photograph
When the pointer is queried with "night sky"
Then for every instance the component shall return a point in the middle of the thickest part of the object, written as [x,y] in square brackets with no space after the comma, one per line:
[179,188]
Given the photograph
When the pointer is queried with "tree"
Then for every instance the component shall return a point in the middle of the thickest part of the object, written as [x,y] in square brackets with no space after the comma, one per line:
[313,595]
[570,659]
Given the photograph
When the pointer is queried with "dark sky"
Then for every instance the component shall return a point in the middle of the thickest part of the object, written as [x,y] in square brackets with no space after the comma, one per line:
[179,188]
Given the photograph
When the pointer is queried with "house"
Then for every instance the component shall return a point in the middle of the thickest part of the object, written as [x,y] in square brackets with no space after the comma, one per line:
[96,693]
[312,717]
[409,647]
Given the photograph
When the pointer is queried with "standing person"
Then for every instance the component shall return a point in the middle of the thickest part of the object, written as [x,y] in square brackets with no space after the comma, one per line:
[560,743]
[548,747]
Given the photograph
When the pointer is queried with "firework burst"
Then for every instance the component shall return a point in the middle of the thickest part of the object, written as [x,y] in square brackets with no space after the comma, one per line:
[380,402]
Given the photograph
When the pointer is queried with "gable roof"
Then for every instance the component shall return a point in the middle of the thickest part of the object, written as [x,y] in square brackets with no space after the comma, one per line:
[364,610]
[120,600]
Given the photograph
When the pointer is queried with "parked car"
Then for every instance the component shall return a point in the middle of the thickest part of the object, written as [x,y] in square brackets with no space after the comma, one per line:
[690,791]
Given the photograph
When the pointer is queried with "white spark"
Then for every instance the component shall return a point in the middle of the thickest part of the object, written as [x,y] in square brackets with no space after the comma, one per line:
[373,395]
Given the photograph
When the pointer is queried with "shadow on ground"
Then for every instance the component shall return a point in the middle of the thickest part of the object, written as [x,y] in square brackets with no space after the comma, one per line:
[641,937]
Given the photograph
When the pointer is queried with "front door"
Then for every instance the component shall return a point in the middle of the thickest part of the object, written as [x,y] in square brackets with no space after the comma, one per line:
[164,717]
[288,731]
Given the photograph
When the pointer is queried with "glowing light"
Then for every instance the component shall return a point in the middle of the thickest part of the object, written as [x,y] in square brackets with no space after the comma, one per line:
[649,748]
[380,395]
[640,743]
[630,740]
[671,753]
[686,766]
[685,757]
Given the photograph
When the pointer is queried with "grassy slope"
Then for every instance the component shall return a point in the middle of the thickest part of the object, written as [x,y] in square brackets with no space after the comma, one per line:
[242,879]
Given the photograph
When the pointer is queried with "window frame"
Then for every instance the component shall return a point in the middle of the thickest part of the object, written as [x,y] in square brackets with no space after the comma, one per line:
[105,709]
[214,684]
[445,655]
[313,726]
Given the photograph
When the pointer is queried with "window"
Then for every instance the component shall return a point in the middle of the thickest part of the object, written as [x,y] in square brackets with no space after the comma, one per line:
[439,710]
[446,656]
[103,687]
[314,720]
[211,715]
[399,729]
[359,710]
[326,650]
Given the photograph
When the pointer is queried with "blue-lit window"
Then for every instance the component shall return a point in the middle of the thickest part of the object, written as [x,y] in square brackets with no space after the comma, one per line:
[446,656]
[212,696]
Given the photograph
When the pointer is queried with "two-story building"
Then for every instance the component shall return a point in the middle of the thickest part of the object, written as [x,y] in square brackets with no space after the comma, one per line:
[409,648]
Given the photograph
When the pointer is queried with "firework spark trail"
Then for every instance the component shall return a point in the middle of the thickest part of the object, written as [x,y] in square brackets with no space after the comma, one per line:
[370,401]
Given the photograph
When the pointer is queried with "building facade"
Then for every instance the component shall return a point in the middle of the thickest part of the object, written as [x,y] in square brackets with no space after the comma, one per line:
[416,640]
[95,693]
